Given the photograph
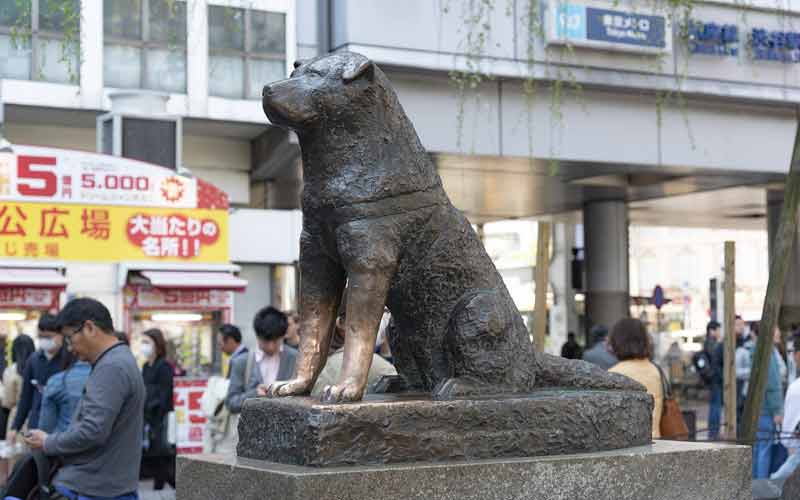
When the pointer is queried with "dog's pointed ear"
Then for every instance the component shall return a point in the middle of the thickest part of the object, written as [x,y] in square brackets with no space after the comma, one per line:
[366,69]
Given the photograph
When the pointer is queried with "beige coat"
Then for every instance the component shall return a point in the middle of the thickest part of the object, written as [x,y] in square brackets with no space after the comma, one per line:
[12,388]
[333,367]
[646,373]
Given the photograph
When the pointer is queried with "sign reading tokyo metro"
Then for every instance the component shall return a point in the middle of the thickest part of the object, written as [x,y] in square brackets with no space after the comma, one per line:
[74,205]
[579,24]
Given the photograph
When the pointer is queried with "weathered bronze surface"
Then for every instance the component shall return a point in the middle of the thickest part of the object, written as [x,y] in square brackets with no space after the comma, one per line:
[390,429]
[375,216]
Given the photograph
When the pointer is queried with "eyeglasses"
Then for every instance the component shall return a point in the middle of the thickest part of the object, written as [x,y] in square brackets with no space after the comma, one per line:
[68,337]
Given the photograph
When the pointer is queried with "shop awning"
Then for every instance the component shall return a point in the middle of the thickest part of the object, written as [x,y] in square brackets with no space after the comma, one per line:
[31,277]
[203,280]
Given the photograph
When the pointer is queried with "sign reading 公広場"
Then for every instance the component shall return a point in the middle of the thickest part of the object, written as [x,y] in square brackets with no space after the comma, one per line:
[74,205]
[578,24]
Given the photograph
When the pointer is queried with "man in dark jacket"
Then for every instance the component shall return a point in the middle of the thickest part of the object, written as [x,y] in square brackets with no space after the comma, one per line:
[714,348]
[571,349]
[50,359]
[230,342]
[600,354]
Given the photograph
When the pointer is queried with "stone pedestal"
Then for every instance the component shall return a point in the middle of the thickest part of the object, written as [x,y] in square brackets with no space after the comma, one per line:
[390,429]
[666,470]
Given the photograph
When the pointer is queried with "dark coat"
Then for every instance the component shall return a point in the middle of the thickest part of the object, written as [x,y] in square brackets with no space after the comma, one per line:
[38,370]
[157,404]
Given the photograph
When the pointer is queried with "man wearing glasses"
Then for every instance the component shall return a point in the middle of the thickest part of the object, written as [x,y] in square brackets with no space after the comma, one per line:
[101,450]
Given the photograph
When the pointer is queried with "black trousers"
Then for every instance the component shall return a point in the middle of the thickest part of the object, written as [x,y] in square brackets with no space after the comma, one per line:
[161,468]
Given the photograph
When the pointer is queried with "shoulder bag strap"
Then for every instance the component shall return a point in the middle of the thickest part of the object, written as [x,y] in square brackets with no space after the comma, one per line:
[248,368]
[665,387]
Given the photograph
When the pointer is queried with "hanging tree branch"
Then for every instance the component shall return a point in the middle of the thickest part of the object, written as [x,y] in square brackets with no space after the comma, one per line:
[779,268]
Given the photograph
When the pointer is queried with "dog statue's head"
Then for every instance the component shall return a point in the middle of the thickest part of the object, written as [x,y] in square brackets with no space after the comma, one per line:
[332,85]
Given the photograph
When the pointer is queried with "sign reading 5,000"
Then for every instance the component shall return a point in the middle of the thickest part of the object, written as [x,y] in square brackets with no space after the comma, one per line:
[36,174]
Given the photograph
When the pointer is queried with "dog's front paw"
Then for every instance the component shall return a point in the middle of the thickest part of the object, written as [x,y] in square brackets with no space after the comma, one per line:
[294,387]
[342,393]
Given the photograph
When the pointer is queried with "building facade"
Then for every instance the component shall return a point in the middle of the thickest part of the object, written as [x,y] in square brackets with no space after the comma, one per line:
[596,114]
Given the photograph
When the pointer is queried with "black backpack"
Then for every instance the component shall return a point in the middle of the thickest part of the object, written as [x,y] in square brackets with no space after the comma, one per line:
[702,365]
[31,478]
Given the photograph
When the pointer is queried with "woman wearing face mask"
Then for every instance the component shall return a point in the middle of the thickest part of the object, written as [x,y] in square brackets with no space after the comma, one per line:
[21,350]
[158,459]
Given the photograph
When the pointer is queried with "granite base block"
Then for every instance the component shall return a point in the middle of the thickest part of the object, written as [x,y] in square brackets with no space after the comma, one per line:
[665,470]
[386,429]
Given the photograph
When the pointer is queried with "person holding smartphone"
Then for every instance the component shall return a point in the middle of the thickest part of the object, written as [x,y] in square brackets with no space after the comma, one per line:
[101,449]
[50,359]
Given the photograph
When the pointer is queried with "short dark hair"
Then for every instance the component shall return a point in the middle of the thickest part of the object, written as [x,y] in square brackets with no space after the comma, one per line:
[157,336]
[796,343]
[229,331]
[48,323]
[122,337]
[598,332]
[629,340]
[270,324]
[84,309]
[712,325]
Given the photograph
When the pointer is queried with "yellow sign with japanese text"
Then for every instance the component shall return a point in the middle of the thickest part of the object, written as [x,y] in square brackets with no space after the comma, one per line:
[104,233]
[74,205]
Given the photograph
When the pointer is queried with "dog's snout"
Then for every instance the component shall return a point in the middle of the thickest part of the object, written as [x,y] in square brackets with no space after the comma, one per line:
[266,91]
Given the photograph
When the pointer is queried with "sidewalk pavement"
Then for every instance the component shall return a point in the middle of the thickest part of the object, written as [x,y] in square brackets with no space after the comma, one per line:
[146,492]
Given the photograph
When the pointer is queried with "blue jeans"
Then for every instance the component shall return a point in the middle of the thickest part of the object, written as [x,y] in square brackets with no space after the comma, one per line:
[75,496]
[789,466]
[714,412]
[762,448]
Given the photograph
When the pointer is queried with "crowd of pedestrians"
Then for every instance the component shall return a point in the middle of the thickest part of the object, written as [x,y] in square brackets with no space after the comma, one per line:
[776,448]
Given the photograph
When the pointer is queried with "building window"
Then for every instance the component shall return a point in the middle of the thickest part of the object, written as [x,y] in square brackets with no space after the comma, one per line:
[40,40]
[247,48]
[144,44]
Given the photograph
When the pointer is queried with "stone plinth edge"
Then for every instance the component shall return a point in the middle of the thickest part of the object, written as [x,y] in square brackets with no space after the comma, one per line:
[661,471]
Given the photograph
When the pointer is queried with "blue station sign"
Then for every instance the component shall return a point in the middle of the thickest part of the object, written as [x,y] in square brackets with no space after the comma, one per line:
[780,46]
[610,29]
[713,39]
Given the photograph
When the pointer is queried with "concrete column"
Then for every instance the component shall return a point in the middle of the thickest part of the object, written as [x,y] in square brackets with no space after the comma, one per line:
[790,310]
[563,316]
[605,227]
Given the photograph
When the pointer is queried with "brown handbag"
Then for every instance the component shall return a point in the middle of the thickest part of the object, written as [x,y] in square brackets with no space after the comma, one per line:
[672,425]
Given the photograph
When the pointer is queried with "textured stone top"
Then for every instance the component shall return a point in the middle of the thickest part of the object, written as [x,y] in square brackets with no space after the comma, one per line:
[384,429]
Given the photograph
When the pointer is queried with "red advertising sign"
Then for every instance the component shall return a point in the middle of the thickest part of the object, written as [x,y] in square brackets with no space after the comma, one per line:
[189,418]
[141,297]
[28,298]
[37,174]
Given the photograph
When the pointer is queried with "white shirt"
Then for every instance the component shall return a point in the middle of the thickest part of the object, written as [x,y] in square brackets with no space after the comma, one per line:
[269,365]
[791,415]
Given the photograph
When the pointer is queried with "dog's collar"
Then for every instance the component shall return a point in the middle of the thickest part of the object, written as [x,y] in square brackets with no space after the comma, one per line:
[391,205]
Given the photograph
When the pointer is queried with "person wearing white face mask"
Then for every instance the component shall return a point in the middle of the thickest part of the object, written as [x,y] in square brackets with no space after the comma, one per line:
[158,458]
[50,359]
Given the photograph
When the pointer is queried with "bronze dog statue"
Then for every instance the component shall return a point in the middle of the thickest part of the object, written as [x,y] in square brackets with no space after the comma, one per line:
[377,220]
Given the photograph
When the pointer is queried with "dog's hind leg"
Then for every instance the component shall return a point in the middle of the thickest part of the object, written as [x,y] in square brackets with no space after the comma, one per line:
[489,350]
